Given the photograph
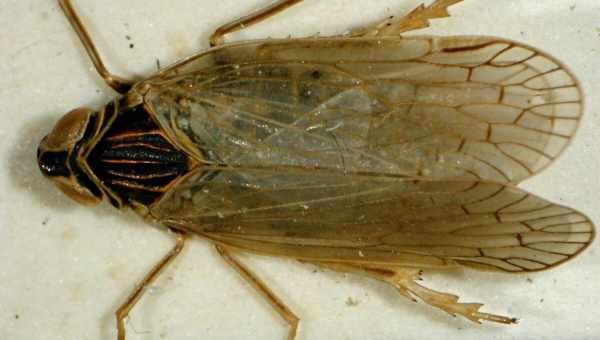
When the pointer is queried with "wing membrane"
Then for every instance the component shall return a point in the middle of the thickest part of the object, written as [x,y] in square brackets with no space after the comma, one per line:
[381,150]
[321,215]
[445,108]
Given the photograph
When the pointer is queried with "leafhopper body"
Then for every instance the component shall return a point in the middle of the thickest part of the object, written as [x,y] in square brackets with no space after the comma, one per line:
[369,153]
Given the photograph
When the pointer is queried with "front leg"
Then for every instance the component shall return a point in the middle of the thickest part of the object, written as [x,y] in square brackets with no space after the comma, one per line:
[119,84]
[123,311]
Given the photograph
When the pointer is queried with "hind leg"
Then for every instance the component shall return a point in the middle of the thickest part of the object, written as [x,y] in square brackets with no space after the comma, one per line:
[217,38]
[416,19]
[405,281]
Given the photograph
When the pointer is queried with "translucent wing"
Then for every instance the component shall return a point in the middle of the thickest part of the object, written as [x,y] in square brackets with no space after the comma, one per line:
[373,150]
[467,108]
[326,216]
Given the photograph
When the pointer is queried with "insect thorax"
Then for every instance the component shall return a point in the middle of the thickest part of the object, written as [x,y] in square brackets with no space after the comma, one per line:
[133,159]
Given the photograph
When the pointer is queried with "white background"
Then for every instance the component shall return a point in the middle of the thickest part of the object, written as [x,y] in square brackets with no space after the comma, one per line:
[64,268]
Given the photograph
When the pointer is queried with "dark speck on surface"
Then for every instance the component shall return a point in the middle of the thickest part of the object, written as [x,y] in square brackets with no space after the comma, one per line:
[351,302]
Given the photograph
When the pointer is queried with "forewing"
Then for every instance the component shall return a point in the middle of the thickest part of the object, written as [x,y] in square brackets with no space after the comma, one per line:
[322,215]
[445,108]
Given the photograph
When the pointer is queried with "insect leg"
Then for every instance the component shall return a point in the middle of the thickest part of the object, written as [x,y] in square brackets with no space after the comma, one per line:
[126,307]
[264,291]
[405,281]
[119,84]
[251,19]
[416,19]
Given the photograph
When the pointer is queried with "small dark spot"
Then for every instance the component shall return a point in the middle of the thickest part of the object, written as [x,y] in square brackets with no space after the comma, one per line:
[128,37]
[131,45]
[45,221]
[17,316]
[351,302]
[541,300]
[529,280]
[316,74]
[389,24]
[157,64]
[572,7]
[520,239]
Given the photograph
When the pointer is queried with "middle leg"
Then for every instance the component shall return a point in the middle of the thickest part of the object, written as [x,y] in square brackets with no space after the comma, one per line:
[263,290]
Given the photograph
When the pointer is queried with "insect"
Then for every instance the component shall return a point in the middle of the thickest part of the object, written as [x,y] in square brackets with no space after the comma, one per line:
[368,153]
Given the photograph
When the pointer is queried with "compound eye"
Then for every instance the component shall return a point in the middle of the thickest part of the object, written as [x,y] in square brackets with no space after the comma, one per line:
[75,191]
[67,131]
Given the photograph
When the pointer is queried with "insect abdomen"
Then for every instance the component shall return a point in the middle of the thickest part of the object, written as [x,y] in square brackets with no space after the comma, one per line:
[134,158]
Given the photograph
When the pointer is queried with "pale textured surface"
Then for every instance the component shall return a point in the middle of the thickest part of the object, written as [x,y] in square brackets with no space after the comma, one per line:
[65,268]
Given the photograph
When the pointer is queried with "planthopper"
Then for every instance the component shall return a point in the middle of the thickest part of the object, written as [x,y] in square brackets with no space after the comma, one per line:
[369,153]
